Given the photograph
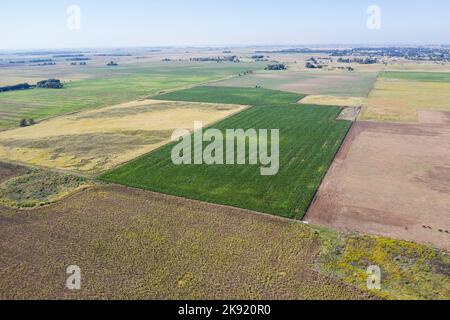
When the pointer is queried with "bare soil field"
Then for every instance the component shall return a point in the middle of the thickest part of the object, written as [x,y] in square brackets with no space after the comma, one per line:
[133,244]
[391,180]
[97,140]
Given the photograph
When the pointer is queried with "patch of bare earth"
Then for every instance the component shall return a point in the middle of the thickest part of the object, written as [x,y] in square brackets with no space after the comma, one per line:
[133,244]
[391,180]
[8,171]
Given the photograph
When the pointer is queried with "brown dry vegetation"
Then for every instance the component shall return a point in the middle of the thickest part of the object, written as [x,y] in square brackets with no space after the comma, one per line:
[97,140]
[133,244]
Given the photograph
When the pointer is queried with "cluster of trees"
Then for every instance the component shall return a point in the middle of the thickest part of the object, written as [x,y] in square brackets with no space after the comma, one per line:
[47,84]
[245,73]
[50,84]
[26,123]
[276,66]
[21,86]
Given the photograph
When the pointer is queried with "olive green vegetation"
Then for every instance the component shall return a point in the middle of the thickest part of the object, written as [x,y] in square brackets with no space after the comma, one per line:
[408,270]
[309,139]
[417,76]
[122,84]
[37,187]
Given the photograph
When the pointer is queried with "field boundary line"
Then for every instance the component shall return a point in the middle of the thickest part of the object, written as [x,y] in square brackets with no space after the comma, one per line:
[314,198]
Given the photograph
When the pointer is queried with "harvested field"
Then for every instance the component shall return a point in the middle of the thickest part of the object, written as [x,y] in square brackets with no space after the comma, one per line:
[391,180]
[355,102]
[133,244]
[316,83]
[434,117]
[398,96]
[107,86]
[96,140]
[408,270]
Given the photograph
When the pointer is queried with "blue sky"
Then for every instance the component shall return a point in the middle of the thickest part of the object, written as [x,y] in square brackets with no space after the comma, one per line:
[110,23]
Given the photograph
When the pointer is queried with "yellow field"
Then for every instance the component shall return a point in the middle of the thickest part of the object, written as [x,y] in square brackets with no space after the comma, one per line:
[399,100]
[334,101]
[98,140]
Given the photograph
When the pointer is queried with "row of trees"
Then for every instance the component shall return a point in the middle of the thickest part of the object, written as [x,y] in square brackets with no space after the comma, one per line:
[25,123]
[21,86]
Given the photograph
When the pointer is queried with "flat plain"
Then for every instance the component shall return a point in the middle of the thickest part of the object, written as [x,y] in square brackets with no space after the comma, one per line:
[96,140]
[309,138]
[391,180]
[399,96]
[133,244]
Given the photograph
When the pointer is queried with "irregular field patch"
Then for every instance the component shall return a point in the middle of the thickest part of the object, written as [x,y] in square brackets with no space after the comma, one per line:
[7,171]
[391,180]
[309,139]
[133,244]
[397,96]
[97,140]
[313,82]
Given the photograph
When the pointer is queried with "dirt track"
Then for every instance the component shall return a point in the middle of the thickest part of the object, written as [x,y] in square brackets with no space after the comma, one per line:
[391,180]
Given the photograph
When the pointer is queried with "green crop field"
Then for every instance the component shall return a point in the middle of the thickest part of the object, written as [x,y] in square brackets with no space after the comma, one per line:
[417,76]
[309,138]
[121,84]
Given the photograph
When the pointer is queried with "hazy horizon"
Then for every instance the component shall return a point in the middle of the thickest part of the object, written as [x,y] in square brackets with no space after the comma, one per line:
[200,23]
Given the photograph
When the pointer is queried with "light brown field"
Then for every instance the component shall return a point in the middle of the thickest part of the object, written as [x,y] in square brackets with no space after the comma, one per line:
[334,101]
[399,100]
[97,140]
[391,180]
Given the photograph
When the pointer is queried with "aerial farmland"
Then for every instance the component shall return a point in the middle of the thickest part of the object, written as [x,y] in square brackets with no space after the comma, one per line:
[256,172]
